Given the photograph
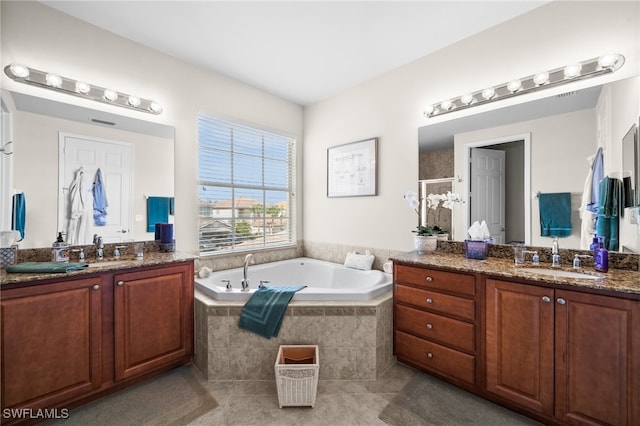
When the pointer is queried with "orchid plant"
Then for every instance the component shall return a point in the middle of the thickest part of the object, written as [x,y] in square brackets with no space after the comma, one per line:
[414,203]
[435,203]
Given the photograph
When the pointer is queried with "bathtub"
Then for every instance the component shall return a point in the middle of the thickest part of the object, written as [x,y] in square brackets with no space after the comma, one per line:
[324,280]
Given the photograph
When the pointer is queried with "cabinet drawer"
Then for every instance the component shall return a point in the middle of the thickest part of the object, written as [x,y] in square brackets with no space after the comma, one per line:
[436,327]
[435,301]
[438,280]
[435,357]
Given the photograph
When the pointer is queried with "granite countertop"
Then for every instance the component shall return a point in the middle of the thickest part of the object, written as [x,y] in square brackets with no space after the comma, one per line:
[150,259]
[614,281]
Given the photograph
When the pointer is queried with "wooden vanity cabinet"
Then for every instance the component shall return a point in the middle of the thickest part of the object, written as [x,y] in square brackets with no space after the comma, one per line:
[570,356]
[435,322]
[66,342]
[51,342]
[153,319]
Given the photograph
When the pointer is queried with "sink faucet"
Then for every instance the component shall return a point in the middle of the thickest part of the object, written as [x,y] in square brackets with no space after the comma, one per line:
[555,253]
[97,240]
[245,282]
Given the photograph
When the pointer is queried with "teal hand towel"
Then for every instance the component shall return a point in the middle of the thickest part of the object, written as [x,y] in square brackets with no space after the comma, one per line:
[555,214]
[157,211]
[608,220]
[264,311]
[45,267]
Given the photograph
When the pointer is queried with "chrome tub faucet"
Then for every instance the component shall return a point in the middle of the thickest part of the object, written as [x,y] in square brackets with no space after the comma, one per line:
[245,282]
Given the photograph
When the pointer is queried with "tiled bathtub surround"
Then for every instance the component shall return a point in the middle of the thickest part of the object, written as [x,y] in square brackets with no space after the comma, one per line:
[354,339]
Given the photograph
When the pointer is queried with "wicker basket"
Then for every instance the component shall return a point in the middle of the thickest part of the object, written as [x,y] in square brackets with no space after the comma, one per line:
[296,370]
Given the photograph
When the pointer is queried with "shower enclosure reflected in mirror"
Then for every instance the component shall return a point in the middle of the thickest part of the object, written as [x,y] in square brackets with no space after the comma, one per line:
[631,166]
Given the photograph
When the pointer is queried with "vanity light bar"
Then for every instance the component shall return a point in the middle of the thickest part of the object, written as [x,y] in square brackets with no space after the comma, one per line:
[579,71]
[51,81]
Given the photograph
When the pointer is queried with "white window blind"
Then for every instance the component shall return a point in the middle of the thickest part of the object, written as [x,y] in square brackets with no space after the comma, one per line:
[246,180]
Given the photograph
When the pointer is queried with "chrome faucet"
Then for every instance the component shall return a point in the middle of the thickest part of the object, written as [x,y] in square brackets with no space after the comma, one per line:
[555,253]
[97,240]
[245,282]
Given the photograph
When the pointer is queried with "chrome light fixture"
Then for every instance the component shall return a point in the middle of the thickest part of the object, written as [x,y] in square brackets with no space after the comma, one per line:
[82,89]
[607,63]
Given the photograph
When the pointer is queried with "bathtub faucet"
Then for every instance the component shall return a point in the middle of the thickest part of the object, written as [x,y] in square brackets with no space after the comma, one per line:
[245,282]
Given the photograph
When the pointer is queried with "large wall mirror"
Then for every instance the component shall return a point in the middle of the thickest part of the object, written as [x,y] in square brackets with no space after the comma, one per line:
[545,145]
[49,136]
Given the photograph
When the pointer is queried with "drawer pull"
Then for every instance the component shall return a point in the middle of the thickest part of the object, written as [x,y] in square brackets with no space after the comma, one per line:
[120,283]
[429,300]
[96,287]
[430,326]
[429,279]
[546,299]
[429,355]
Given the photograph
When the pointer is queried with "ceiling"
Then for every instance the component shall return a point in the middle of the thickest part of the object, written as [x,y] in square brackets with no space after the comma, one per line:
[302,51]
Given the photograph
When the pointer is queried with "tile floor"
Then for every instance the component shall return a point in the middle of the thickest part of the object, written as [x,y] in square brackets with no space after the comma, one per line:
[337,402]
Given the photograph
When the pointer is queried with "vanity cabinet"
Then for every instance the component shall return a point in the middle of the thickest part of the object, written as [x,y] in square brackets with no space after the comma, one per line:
[153,319]
[435,322]
[68,341]
[566,355]
[51,342]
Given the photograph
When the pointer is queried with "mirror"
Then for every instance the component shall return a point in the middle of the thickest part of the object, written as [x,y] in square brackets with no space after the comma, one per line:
[631,167]
[550,140]
[39,125]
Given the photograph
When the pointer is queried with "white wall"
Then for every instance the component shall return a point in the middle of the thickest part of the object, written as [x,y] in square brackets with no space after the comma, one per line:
[390,107]
[43,38]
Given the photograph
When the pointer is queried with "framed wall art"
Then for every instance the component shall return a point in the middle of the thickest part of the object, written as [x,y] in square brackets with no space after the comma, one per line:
[352,169]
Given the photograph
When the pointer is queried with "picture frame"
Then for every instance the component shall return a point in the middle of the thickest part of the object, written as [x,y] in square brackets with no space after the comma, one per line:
[352,169]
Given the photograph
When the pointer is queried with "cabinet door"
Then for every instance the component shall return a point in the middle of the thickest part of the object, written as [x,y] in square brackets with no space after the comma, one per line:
[51,343]
[597,359]
[519,344]
[153,318]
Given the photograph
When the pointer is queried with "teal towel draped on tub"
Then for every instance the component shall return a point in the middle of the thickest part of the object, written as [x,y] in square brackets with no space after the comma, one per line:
[555,214]
[264,311]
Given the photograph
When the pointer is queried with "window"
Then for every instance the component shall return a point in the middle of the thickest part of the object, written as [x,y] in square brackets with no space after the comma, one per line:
[246,187]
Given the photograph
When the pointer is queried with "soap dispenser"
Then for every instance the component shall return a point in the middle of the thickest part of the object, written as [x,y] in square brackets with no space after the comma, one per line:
[601,257]
[59,250]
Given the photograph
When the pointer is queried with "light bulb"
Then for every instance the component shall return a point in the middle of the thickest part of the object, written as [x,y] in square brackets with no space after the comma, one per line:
[53,80]
[573,70]
[155,107]
[134,101]
[514,85]
[446,105]
[467,99]
[608,60]
[488,93]
[19,71]
[541,78]
[428,110]
[110,95]
[82,87]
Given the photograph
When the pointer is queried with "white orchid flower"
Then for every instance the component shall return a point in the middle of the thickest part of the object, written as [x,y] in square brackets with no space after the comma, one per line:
[412,199]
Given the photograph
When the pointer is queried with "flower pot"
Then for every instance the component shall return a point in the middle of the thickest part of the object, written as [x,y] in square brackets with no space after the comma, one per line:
[443,237]
[425,244]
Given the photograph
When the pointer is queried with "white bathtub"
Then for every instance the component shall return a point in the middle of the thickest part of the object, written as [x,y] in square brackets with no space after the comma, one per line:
[324,280]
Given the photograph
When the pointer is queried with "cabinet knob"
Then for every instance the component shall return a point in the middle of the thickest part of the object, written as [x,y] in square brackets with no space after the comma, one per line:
[120,283]
[429,279]
[561,301]
[429,355]
[546,299]
[96,287]
[430,326]
[429,300]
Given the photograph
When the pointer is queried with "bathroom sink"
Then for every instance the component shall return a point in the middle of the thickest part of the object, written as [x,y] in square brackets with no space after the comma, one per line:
[110,263]
[558,273]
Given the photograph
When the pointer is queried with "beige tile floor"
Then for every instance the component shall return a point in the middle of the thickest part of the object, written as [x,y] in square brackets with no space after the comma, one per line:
[337,402]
